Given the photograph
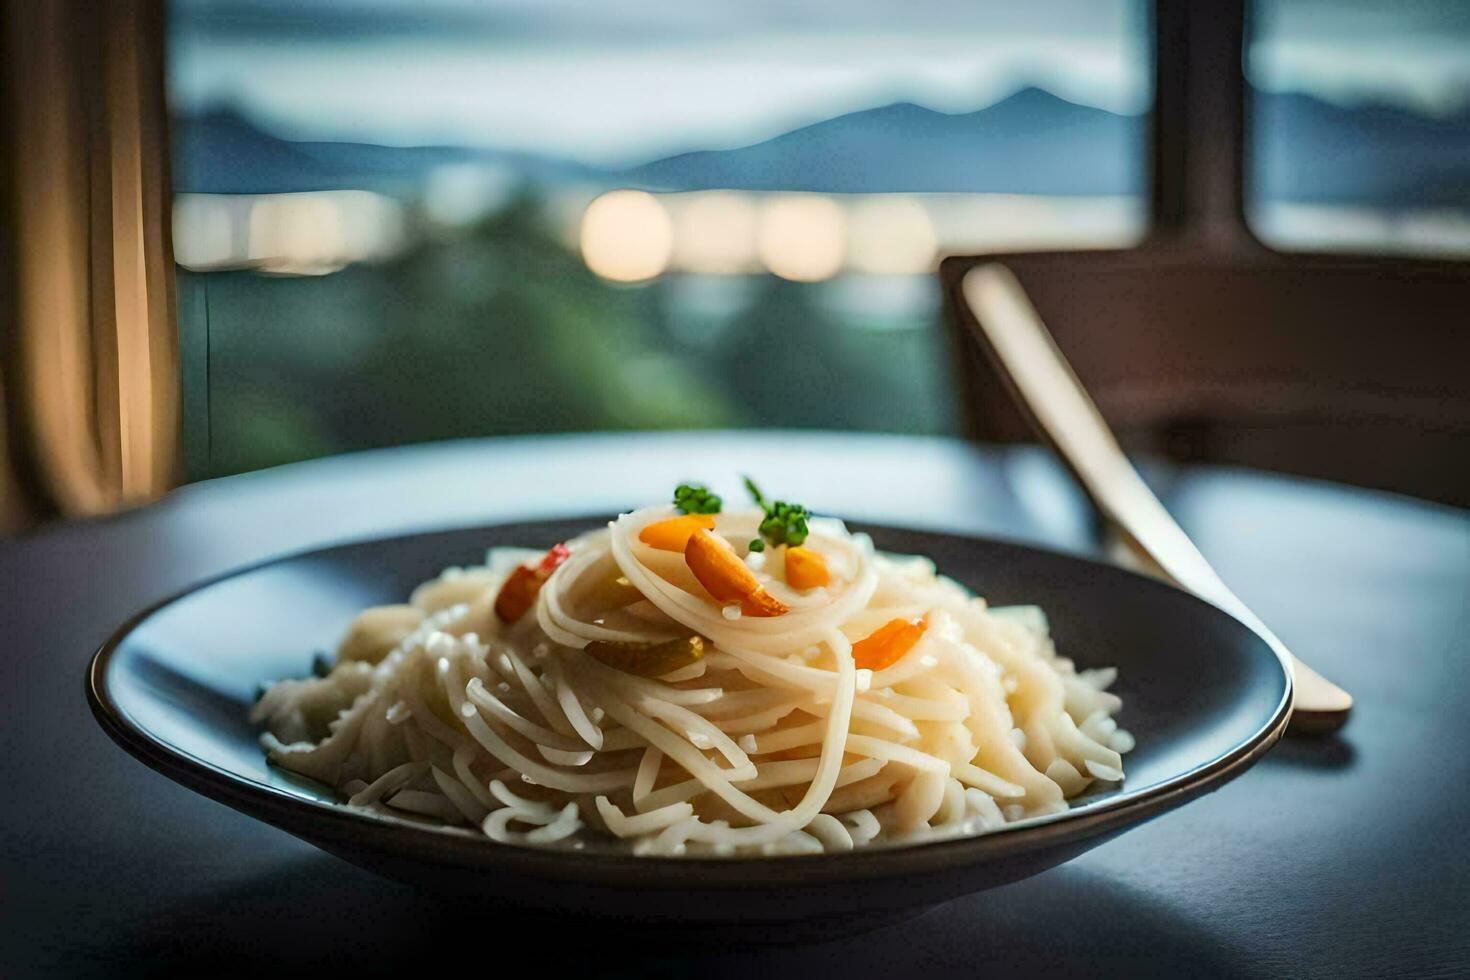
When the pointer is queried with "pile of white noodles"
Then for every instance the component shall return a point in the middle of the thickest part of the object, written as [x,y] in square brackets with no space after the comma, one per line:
[773,743]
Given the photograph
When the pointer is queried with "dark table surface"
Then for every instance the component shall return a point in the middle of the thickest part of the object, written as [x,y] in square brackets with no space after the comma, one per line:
[1338,857]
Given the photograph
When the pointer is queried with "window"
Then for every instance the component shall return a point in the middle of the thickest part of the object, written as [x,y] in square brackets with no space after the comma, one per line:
[398,221]
[1361,132]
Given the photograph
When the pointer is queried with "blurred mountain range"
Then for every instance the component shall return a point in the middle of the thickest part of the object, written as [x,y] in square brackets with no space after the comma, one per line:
[1032,142]
[1029,143]
[1319,152]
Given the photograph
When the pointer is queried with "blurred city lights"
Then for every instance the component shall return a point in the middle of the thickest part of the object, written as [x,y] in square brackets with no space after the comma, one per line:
[890,235]
[633,236]
[802,237]
[814,237]
[205,230]
[627,236]
[300,234]
[288,234]
[714,232]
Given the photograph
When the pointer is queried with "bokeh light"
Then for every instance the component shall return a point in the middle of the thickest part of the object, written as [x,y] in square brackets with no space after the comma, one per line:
[891,236]
[203,231]
[297,233]
[714,233]
[802,237]
[308,233]
[627,236]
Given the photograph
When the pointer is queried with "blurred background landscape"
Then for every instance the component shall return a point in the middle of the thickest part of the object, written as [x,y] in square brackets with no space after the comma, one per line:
[400,221]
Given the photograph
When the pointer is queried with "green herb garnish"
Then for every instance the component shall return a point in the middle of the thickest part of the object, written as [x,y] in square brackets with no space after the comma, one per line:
[757,544]
[784,523]
[690,499]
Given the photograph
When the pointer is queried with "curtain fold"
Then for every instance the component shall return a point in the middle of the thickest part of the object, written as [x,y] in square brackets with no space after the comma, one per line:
[91,381]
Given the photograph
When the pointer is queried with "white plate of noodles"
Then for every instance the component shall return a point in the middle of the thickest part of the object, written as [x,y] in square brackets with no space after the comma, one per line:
[763,696]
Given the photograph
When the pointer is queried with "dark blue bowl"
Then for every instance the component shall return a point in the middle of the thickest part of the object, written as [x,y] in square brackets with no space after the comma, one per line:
[1204,696]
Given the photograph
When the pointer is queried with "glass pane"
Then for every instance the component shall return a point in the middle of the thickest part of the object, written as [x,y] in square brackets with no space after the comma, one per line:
[1361,136]
[403,221]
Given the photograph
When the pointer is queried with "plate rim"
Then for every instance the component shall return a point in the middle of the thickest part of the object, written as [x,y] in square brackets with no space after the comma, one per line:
[459,847]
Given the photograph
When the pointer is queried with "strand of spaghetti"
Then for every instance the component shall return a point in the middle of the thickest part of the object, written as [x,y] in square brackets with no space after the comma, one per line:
[560,626]
[664,692]
[475,662]
[952,807]
[870,792]
[647,776]
[877,748]
[830,831]
[879,714]
[850,774]
[387,783]
[920,709]
[541,697]
[793,771]
[424,804]
[1070,736]
[690,697]
[534,809]
[565,825]
[868,711]
[621,739]
[497,709]
[828,768]
[428,722]
[676,716]
[990,723]
[324,760]
[865,621]
[377,748]
[417,743]
[572,707]
[1042,696]
[571,759]
[696,727]
[737,702]
[694,762]
[982,779]
[463,757]
[765,669]
[542,775]
[650,822]
[463,800]
[694,671]
[789,738]
[761,720]
[497,659]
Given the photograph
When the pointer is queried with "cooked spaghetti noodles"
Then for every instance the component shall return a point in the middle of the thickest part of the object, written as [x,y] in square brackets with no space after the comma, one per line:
[661,682]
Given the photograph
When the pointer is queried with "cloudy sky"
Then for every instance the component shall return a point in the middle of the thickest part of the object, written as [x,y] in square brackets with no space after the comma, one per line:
[627,81]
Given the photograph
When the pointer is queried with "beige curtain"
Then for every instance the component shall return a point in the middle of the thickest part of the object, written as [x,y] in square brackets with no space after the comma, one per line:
[90,380]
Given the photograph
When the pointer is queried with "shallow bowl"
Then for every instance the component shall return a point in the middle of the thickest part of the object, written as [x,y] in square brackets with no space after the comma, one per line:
[1204,696]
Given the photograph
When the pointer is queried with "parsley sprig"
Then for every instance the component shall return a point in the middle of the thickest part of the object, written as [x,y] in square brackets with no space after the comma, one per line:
[783,524]
[692,499]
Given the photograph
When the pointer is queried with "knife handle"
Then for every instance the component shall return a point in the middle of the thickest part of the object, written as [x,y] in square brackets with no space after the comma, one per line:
[1048,392]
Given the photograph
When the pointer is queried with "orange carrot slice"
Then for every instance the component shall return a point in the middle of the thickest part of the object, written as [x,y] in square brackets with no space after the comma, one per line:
[762,605]
[887,644]
[518,593]
[673,534]
[521,586]
[806,569]
[725,577]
